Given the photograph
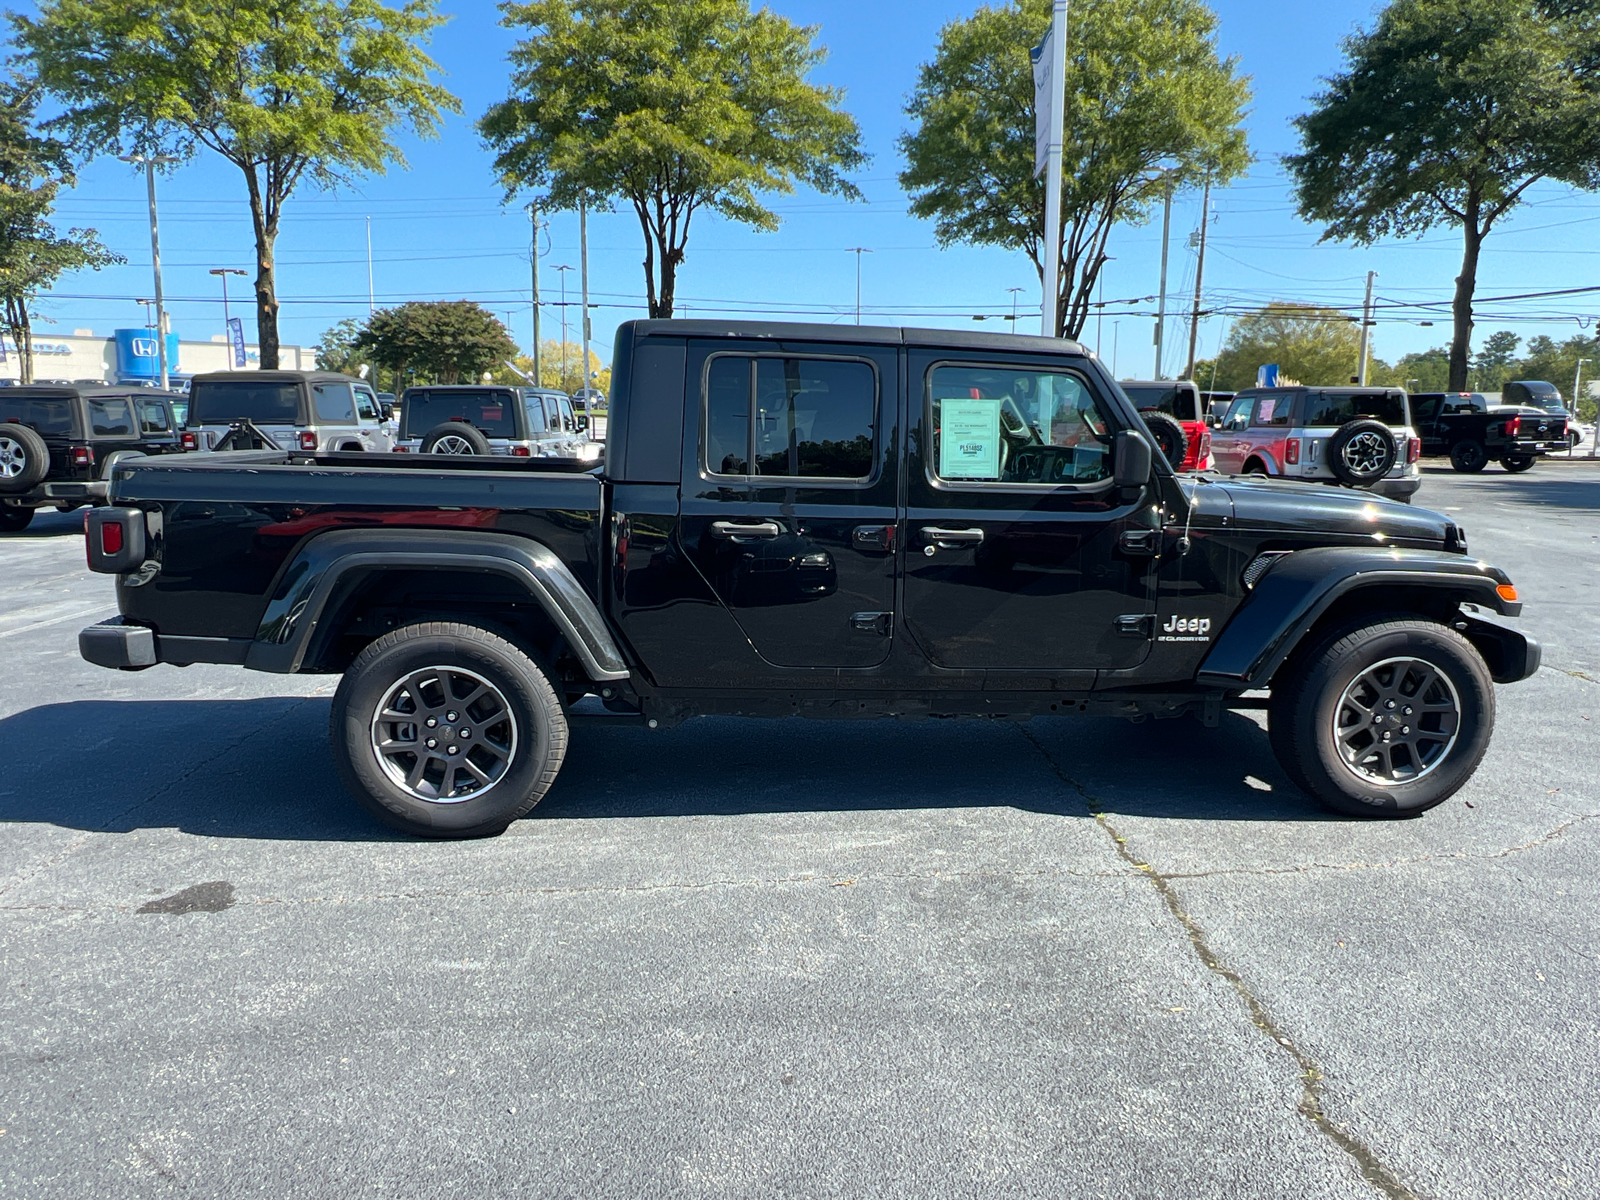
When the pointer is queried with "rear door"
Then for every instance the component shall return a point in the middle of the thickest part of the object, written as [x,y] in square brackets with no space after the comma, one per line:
[1019,554]
[787,507]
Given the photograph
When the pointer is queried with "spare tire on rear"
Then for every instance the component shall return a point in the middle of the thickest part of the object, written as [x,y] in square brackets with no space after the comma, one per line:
[1362,451]
[24,459]
[455,437]
[1170,438]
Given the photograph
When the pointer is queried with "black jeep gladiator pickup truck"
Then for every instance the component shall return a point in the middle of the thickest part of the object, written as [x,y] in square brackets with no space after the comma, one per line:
[822,521]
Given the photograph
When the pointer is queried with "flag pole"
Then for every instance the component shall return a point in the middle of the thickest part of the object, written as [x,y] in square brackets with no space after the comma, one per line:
[1050,256]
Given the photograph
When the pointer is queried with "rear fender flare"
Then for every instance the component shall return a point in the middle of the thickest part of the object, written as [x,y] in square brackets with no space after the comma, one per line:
[1290,598]
[320,569]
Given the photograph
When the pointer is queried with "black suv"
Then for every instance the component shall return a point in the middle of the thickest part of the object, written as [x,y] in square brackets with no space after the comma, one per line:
[58,444]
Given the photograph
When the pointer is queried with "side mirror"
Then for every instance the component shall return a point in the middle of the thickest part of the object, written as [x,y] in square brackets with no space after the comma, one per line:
[1213,421]
[1131,464]
[386,411]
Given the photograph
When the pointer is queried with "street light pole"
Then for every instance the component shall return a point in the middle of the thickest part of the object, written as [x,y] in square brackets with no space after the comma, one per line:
[1161,306]
[533,259]
[1199,275]
[583,276]
[562,385]
[858,251]
[227,323]
[149,162]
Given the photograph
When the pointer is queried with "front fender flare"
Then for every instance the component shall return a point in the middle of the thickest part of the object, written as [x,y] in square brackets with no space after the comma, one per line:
[320,568]
[1300,587]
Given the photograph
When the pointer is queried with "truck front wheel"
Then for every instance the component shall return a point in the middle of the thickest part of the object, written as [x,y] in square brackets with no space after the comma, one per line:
[1387,719]
[447,731]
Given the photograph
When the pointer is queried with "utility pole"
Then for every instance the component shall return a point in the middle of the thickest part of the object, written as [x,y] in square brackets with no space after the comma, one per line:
[371,306]
[561,386]
[1050,252]
[1199,275]
[150,162]
[1014,292]
[227,322]
[533,260]
[1366,329]
[583,276]
[1116,341]
[858,251]
[1161,306]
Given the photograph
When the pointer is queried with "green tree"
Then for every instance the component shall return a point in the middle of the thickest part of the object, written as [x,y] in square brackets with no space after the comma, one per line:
[1446,113]
[337,348]
[436,341]
[1495,356]
[285,90]
[1149,104]
[673,106]
[1311,345]
[33,169]
[560,367]
[1424,370]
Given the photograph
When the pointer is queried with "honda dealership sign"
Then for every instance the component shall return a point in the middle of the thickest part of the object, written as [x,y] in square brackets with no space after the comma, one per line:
[138,354]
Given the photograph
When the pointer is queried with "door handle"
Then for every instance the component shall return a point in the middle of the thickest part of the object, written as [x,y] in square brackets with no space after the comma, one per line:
[952,537]
[873,537]
[734,531]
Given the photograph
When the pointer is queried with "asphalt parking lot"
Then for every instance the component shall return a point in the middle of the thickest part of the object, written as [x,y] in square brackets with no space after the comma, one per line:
[1073,957]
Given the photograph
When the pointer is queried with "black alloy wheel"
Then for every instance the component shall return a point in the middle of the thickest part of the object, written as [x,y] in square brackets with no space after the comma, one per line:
[1469,457]
[1169,436]
[1362,451]
[1386,718]
[455,437]
[1517,463]
[446,730]
[14,520]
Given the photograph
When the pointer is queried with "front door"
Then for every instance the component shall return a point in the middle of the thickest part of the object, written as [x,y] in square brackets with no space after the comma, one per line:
[788,505]
[1018,552]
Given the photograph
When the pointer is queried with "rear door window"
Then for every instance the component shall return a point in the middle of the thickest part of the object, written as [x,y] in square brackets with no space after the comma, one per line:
[110,418]
[334,403]
[794,418]
[153,417]
[1329,410]
[1272,410]
[222,402]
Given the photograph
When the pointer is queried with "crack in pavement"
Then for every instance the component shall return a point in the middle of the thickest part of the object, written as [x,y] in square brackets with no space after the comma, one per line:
[1522,847]
[1372,1168]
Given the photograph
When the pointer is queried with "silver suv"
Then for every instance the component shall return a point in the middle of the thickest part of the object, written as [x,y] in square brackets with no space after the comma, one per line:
[304,411]
[1360,437]
[488,419]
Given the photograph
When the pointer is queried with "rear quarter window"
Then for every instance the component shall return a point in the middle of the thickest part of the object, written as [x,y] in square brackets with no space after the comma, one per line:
[1329,410]
[49,418]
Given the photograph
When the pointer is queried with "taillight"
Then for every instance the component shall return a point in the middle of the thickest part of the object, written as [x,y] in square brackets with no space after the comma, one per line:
[1513,427]
[308,440]
[114,539]
[1291,452]
[83,456]
[1413,450]
[111,537]
[191,441]
[521,452]
[402,449]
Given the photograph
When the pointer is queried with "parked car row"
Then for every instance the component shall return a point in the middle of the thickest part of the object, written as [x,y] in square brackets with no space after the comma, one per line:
[59,443]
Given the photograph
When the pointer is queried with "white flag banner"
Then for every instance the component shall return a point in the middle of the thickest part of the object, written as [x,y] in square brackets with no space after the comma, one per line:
[1041,104]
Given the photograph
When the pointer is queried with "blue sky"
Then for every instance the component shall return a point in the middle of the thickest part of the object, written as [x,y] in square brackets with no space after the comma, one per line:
[439,230]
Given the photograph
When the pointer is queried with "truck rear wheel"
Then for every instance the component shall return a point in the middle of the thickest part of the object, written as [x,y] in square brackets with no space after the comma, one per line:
[1469,456]
[13,519]
[1517,462]
[447,731]
[1387,719]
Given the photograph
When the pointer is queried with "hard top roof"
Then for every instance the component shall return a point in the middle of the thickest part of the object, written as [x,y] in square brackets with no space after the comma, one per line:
[460,387]
[1348,389]
[274,377]
[61,391]
[796,331]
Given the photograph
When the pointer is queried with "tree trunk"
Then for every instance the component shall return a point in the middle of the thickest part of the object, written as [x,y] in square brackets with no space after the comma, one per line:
[25,345]
[1466,284]
[265,225]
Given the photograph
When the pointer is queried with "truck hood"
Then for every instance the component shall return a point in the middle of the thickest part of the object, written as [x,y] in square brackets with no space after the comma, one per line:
[1313,509]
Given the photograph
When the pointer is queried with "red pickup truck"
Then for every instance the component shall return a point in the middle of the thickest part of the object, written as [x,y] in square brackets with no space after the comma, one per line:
[1180,400]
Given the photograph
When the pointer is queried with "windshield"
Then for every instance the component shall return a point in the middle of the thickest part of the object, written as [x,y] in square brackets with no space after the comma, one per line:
[1329,410]
[222,402]
[51,418]
[1175,399]
[490,411]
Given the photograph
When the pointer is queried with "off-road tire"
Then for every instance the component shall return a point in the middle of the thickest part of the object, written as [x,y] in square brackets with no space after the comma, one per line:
[1469,457]
[24,459]
[1169,436]
[1361,452]
[14,520]
[455,434]
[1310,692]
[540,735]
[1517,463]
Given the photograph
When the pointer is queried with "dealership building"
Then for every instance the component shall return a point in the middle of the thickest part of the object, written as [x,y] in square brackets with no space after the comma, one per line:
[131,356]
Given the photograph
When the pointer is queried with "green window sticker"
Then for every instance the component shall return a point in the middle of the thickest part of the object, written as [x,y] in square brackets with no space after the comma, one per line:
[969,439]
